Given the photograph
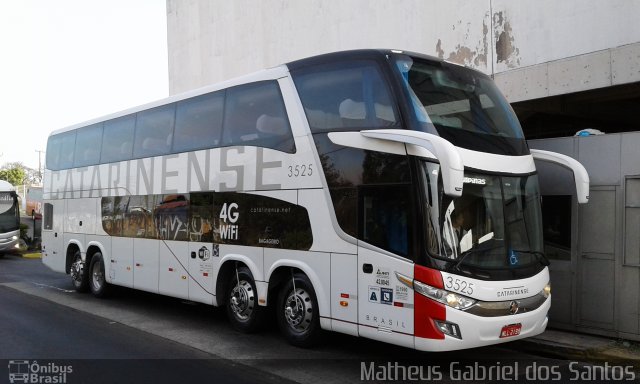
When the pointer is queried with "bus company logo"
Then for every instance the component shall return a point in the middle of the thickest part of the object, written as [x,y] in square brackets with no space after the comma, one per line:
[474,180]
[24,371]
[506,292]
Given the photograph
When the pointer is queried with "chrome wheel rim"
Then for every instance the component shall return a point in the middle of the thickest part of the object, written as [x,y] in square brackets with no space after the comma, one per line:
[97,276]
[242,300]
[77,271]
[298,310]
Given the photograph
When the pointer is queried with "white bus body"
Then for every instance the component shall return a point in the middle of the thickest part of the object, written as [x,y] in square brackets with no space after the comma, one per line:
[325,187]
[9,218]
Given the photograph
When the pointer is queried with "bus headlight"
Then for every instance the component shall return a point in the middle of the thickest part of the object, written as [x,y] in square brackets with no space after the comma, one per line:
[445,297]
[546,291]
[14,237]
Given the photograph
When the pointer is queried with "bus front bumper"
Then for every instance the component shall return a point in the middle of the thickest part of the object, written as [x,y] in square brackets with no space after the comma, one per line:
[478,331]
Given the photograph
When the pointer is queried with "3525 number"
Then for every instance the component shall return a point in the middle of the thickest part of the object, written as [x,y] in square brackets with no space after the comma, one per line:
[459,285]
[300,170]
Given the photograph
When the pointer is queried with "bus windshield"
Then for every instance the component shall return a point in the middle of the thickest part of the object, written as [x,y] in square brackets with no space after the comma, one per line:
[9,214]
[461,105]
[493,229]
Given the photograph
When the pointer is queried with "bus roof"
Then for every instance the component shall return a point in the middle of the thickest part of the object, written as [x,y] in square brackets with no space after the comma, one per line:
[265,74]
[6,187]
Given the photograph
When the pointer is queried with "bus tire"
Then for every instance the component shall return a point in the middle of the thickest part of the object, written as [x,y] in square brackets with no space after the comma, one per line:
[79,274]
[243,311]
[297,312]
[97,280]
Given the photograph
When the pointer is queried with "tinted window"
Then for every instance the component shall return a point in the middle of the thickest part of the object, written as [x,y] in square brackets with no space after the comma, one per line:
[255,115]
[48,216]
[53,152]
[88,144]
[201,217]
[556,222]
[117,140]
[464,106]
[345,96]
[384,217]
[371,194]
[199,122]
[171,217]
[154,131]
[67,147]
[138,217]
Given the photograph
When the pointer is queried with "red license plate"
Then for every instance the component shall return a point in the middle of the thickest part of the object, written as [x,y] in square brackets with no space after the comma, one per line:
[510,330]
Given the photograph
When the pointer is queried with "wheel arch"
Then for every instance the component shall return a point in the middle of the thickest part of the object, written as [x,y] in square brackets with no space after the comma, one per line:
[228,265]
[280,271]
[72,247]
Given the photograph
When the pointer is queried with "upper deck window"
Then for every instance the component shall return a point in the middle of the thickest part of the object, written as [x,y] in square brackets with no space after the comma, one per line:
[464,106]
[345,96]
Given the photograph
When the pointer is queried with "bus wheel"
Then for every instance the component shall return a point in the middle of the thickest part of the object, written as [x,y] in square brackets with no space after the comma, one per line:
[297,312]
[243,310]
[79,275]
[98,282]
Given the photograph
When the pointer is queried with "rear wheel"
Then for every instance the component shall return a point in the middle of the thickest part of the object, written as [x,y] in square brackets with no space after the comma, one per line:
[79,275]
[243,310]
[98,283]
[297,312]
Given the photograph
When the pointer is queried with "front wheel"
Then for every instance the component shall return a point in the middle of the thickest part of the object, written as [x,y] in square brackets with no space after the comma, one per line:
[243,310]
[99,286]
[297,312]
[79,275]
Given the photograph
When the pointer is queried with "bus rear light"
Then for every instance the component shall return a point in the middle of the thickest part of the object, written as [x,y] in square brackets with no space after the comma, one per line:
[344,303]
[344,295]
[449,328]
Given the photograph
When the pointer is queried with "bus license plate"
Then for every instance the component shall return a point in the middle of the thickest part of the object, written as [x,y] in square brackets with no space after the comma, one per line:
[510,330]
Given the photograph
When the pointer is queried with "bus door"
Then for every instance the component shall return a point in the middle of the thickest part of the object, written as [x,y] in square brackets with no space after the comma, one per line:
[385,305]
[203,253]
[54,255]
[203,267]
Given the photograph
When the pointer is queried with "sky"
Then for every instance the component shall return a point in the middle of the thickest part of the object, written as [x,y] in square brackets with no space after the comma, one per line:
[63,62]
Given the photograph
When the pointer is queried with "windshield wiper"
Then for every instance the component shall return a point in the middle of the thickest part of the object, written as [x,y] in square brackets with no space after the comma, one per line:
[459,260]
[539,255]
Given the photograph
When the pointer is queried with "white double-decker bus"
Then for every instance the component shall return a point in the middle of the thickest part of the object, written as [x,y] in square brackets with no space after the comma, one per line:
[377,193]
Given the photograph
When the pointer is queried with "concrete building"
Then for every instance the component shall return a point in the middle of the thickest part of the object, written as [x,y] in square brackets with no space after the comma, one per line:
[564,66]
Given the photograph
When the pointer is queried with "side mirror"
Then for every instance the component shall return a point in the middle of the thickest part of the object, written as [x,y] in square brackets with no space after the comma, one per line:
[580,174]
[451,165]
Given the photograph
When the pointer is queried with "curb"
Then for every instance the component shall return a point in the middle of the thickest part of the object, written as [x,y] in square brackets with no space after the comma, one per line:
[37,255]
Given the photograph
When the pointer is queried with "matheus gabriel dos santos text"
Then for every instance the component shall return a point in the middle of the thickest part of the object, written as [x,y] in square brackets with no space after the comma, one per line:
[394,371]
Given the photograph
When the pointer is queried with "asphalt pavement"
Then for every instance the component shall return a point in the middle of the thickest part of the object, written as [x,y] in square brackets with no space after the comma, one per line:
[43,318]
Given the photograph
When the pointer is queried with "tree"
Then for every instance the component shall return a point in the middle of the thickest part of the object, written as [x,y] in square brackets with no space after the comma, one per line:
[14,173]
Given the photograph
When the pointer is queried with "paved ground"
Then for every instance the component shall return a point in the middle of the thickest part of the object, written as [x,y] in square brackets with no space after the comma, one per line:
[203,329]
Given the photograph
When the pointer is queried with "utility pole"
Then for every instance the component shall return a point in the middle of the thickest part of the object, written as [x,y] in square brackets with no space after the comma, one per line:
[39,164]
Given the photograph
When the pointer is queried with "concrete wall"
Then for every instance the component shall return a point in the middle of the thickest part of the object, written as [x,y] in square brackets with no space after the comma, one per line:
[213,40]
[604,271]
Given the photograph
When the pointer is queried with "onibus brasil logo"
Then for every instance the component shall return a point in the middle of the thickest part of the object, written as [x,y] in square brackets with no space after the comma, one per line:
[25,371]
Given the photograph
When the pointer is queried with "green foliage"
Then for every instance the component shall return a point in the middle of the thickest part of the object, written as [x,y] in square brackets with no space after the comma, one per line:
[13,173]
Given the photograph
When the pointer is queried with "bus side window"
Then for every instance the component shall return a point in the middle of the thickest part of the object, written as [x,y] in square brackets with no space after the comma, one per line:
[385,216]
[154,131]
[48,216]
[53,152]
[67,148]
[199,122]
[88,142]
[255,115]
[117,139]
[336,96]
